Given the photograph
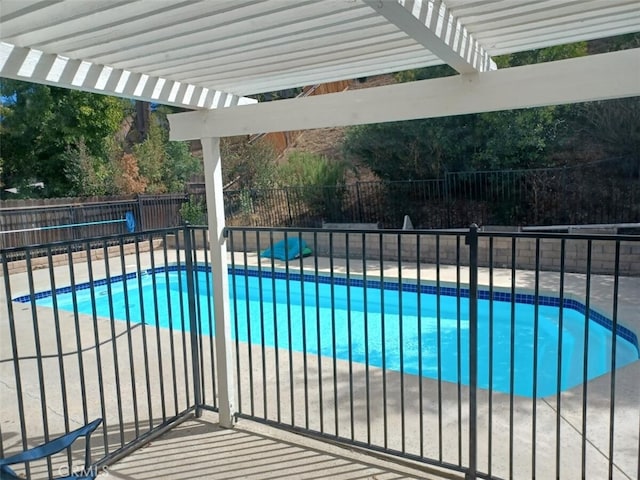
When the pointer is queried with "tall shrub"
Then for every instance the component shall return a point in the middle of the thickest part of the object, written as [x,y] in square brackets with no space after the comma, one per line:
[319,182]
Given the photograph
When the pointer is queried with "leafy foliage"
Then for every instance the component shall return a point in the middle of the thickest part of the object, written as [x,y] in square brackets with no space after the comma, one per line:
[321,182]
[152,159]
[614,124]
[127,177]
[86,174]
[165,165]
[68,140]
[194,212]
[39,125]
[425,149]
[247,165]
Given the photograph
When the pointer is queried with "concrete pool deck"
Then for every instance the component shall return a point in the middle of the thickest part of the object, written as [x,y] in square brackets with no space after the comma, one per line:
[506,422]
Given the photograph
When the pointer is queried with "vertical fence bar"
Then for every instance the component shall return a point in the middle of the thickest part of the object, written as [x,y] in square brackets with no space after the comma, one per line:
[262,328]
[114,343]
[366,336]
[614,342]
[292,404]
[534,401]
[38,345]
[134,396]
[96,337]
[210,319]
[60,350]
[143,326]
[439,340]
[183,315]
[141,220]
[563,246]
[193,321]
[16,358]
[512,333]
[383,343]
[156,314]
[333,336]
[472,242]
[236,319]
[199,312]
[401,341]
[585,359]
[305,372]
[491,342]
[459,349]
[170,320]
[419,312]
[276,345]
[359,202]
[349,336]
[318,333]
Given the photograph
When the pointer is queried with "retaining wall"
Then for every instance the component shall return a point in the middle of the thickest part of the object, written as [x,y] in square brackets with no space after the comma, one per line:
[451,249]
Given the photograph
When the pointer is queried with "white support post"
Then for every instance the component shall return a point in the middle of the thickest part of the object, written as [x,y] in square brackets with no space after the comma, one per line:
[217,241]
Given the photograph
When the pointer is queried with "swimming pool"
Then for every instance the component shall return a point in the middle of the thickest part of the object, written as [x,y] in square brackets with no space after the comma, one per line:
[399,318]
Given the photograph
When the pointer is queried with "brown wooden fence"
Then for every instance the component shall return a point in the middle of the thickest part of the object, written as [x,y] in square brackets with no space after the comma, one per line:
[32,222]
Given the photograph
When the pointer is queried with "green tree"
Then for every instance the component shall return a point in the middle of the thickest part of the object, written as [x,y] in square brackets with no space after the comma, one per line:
[87,175]
[425,149]
[164,165]
[41,123]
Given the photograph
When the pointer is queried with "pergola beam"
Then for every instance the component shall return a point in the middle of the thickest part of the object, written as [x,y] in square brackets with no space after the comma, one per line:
[431,24]
[597,77]
[30,65]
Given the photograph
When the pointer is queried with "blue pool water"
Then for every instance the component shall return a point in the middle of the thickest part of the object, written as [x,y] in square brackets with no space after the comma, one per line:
[404,338]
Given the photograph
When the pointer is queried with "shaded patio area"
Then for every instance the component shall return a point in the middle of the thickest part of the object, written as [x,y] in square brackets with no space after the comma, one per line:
[199,448]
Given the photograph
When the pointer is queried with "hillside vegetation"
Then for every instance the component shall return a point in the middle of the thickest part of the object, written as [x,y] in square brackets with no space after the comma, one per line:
[81,144]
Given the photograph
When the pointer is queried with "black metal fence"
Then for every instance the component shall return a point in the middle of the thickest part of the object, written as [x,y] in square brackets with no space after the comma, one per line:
[478,352]
[458,349]
[604,192]
[101,332]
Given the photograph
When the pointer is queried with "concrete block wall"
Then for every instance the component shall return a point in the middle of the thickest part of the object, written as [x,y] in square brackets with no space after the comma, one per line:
[449,249]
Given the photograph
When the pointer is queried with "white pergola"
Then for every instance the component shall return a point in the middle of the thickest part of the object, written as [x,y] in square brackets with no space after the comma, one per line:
[207,55]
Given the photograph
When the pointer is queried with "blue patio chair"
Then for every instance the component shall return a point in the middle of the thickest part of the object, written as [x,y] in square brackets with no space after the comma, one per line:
[51,448]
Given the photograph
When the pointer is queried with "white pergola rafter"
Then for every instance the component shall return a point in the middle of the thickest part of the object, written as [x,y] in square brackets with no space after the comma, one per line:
[31,65]
[583,79]
[432,25]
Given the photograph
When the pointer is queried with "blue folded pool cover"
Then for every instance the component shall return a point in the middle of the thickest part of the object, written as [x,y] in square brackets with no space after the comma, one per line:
[287,249]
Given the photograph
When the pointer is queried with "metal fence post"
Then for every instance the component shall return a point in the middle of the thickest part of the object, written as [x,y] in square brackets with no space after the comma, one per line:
[72,219]
[472,242]
[359,200]
[141,222]
[447,198]
[193,318]
[286,192]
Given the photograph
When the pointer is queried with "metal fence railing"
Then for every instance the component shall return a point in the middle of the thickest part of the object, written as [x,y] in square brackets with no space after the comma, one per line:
[498,355]
[488,368]
[601,192]
[104,331]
